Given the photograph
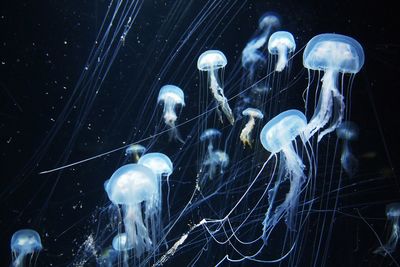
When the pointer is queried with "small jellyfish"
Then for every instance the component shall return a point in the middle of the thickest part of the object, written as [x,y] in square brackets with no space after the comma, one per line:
[392,214]
[161,165]
[348,131]
[135,151]
[281,43]
[135,188]
[245,135]
[120,243]
[171,96]
[108,257]
[252,54]
[215,160]
[211,61]
[209,135]
[278,137]
[24,242]
[333,54]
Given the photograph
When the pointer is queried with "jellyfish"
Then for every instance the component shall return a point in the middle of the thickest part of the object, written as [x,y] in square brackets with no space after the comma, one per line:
[209,135]
[281,43]
[251,54]
[245,135]
[215,160]
[161,165]
[171,96]
[211,61]
[332,54]
[24,242]
[392,214]
[348,131]
[278,136]
[135,151]
[135,188]
[108,257]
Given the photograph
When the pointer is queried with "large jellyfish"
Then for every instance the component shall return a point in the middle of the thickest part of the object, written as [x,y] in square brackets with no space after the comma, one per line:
[135,151]
[211,61]
[24,242]
[252,113]
[251,54]
[281,43]
[393,215]
[348,131]
[333,54]
[135,188]
[171,96]
[278,136]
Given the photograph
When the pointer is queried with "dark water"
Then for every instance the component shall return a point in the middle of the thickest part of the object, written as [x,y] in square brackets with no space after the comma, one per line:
[54,112]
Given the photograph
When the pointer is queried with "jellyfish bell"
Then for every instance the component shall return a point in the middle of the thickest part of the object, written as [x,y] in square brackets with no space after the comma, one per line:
[278,137]
[281,43]
[333,54]
[347,130]
[209,134]
[120,242]
[135,188]
[393,210]
[245,135]
[269,19]
[24,242]
[211,61]
[159,163]
[135,151]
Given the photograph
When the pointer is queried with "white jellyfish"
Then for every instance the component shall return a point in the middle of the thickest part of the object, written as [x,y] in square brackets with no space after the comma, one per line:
[135,151]
[23,243]
[161,165]
[278,137]
[348,131]
[208,136]
[215,160]
[245,135]
[393,215]
[333,54]
[211,61]
[171,96]
[252,53]
[281,43]
[135,188]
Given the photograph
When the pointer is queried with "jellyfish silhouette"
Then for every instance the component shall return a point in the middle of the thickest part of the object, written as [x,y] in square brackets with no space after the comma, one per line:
[333,54]
[214,160]
[245,135]
[281,43]
[347,131]
[171,96]
[393,215]
[209,135]
[135,188]
[252,55]
[135,151]
[278,136]
[24,242]
[211,61]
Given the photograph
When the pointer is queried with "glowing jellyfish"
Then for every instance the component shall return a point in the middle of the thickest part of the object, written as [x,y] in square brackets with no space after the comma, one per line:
[278,137]
[135,188]
[211,61]
[135,151]
[281,43]
[120,242]
[171,96]
[252,55]
[348,131]
[333,54]
[209,135]
[161,165]
[215,160]
[24,242]
[108,257]
[392,214]
[252,113]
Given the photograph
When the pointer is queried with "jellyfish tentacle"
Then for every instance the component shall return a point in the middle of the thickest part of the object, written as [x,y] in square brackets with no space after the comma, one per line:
[219,96]
[245,134]
[282,59]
